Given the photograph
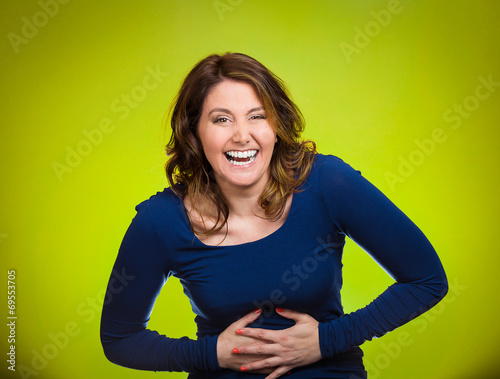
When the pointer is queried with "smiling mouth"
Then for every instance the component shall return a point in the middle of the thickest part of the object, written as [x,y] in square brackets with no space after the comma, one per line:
[240,158]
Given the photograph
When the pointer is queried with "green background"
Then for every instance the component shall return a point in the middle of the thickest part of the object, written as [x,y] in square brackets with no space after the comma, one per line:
[375,81]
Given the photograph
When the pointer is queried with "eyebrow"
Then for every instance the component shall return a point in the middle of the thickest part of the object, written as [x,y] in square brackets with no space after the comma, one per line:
[228,111]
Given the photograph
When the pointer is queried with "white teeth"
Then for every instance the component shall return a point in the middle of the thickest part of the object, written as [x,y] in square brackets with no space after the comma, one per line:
[242,154]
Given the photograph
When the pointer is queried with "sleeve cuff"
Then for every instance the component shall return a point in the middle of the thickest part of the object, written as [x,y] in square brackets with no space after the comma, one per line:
[325,345]
[334,337]
[211,349]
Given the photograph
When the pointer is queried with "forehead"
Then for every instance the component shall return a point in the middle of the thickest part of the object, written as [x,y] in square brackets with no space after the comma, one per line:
[233,95]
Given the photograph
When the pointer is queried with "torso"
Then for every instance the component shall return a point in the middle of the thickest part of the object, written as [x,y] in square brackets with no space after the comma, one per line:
[294,263]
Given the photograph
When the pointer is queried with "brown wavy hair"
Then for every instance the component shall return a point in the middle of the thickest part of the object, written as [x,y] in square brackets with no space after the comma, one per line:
[189,172]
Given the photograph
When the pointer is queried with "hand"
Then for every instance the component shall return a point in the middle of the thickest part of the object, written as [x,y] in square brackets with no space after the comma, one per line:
[285,349]
[229,339]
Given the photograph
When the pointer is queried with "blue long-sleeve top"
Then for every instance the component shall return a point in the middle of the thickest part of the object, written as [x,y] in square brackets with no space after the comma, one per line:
[296,267]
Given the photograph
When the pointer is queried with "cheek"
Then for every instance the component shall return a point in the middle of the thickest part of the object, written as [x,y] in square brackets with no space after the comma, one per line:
[269,139]
[212,143]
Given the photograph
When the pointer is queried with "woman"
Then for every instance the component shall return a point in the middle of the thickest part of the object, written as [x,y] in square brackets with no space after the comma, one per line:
[253,225]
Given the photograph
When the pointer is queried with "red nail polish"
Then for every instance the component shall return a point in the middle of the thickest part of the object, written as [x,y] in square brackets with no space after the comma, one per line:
[243,368]
[279,310]
[258,310]
[239,331]
[236,350]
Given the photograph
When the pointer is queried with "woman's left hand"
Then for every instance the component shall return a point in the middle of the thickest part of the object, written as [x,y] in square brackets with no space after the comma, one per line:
[290,348]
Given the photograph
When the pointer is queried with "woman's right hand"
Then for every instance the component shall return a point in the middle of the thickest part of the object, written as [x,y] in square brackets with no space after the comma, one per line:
[229,339]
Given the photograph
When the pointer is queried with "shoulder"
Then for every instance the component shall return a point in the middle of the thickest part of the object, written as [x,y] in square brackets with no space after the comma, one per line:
[164,204]
[332,169]
[330,161]
[163,214]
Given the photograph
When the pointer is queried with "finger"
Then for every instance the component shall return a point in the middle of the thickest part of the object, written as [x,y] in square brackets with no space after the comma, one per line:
[293,315]
[264,349]
[281,370]
[247,319]
[262,364]
[261,334]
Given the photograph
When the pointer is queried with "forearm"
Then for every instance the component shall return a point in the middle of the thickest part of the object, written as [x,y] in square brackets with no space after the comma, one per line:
[148,350]
[396,306]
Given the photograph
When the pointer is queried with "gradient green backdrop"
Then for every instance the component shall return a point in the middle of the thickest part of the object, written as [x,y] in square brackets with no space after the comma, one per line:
[376,81]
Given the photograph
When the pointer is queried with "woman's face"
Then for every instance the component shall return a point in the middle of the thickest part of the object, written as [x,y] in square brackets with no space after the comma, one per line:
[236,135]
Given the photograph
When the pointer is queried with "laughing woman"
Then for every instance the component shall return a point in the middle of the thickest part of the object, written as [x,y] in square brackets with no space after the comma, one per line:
[251,212]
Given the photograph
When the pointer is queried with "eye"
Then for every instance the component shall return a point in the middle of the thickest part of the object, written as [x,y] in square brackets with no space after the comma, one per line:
[257,117]
[221,120]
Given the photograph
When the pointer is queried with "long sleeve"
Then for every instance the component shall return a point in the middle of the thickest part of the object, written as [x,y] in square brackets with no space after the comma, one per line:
[140,271]
[363,213]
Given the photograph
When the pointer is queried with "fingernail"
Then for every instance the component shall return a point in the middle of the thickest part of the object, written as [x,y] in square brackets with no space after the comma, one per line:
[243,368]
[236,350]
[239,331]
[258,310]
[279,310]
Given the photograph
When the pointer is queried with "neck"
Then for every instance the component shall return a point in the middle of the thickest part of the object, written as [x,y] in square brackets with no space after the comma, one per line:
[243,201]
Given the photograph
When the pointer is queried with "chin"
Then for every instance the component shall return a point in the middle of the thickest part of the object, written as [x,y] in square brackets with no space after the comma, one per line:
[242,179]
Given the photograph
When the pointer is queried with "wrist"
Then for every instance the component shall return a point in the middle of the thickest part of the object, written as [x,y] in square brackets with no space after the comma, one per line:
[221,353]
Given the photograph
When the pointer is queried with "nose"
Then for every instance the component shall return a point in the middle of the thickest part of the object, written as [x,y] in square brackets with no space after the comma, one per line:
[241,133]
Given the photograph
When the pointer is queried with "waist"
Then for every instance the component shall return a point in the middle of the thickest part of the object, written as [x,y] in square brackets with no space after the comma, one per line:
[347,365]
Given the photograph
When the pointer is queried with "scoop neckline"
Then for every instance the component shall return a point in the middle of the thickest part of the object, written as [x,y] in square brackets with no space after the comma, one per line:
[244,244]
